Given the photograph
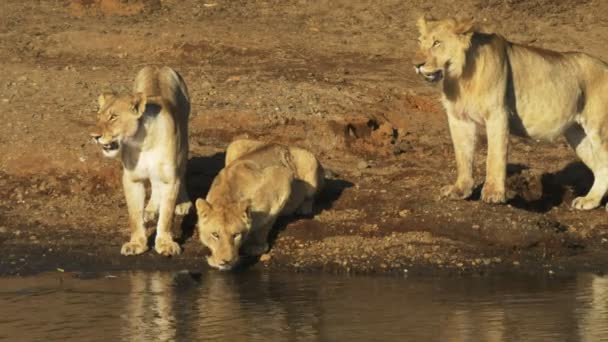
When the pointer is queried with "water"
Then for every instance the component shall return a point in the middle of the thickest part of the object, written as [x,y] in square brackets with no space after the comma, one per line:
[255,306]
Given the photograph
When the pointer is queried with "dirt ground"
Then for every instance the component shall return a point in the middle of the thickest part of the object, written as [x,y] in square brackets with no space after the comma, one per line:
[331,76]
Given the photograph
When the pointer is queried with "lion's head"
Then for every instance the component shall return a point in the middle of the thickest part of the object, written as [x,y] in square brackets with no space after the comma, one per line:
[118,121]
[223,230]
[442,47]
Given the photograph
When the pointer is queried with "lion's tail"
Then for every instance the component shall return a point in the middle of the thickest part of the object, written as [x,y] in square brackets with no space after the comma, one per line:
[167,83]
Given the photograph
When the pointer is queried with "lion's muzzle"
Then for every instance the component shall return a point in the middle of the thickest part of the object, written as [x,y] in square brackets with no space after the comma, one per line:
[430,76]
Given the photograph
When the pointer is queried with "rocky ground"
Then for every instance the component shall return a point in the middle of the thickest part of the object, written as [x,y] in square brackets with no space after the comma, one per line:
[331,76]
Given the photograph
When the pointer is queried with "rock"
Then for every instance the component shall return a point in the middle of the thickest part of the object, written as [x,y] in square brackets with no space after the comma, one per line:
[402,147]
[3,230]
[362,165]
[404,213]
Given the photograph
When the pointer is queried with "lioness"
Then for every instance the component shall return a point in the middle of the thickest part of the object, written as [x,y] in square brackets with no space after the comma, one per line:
[511,88]
[259,183]
[149,131]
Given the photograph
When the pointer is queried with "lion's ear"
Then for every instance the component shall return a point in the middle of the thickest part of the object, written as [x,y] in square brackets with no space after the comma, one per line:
[139,101]
[245,208]
[421,24]
[202,208]
[103,99]
[464,26]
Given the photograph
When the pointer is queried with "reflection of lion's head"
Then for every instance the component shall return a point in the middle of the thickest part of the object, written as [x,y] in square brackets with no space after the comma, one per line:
[118,121]
[223,230]
[442,47]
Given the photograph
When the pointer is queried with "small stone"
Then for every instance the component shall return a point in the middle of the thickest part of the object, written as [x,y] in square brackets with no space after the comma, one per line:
[404,213]
[476,226]
[515,263]
[3,230]
[362,165]
[459,264]
[497,260]
[33,237]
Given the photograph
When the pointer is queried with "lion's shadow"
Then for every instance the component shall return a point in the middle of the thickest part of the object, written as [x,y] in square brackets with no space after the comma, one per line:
[200,174]
[542,193]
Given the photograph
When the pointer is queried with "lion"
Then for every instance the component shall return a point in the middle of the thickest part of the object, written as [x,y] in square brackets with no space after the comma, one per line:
[259,183]
[514,89]
[148,131]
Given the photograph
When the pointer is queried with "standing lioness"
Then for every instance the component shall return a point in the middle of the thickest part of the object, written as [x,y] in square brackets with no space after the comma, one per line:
[149,131]
[489,81]
[259,183]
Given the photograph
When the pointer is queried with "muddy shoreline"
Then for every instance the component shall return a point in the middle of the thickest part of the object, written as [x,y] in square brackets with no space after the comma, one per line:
[334,78]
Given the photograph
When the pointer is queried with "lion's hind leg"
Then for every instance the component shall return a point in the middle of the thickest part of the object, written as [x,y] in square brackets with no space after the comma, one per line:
[592,148]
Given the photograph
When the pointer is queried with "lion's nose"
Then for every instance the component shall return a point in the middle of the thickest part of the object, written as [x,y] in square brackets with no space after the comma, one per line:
[418,65]
[95,136]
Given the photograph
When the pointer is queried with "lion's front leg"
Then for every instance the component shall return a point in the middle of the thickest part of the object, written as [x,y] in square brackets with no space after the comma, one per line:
[164,243]
[464,138]
[497,128]
[135,195]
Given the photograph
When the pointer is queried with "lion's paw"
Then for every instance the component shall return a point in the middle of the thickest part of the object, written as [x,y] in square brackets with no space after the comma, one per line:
[489,194]
[586,203]
[454,192]
[183,208]
[167,247]
[133,248]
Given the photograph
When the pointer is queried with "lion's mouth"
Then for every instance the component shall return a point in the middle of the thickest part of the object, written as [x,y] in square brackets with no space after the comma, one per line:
[433,76]
[111,146]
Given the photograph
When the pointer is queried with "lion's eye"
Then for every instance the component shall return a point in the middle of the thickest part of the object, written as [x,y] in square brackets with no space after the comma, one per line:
[436,43]
[215,235]
[237,236]
[113,117]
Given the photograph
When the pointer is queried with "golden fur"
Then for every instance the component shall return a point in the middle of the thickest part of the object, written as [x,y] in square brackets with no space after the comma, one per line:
[149,132]
[490,82]
[259,183]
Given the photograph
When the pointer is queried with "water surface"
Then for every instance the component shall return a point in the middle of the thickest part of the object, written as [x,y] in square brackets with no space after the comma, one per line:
[257,306]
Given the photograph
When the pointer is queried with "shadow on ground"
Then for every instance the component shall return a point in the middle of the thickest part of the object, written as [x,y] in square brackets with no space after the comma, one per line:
[542,192]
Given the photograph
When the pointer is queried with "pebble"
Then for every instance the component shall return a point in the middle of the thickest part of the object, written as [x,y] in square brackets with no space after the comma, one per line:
[404,212]
[3,230]
[362,165]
